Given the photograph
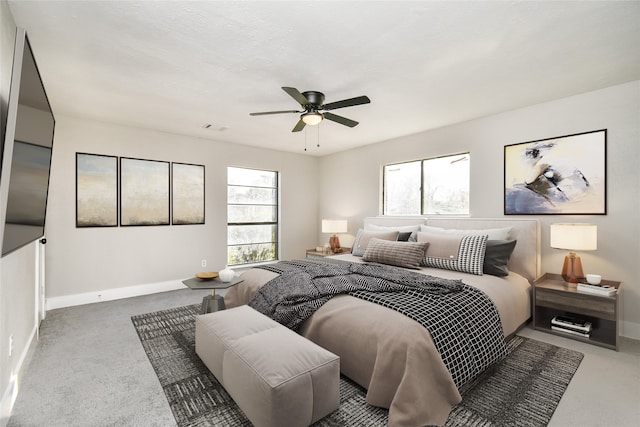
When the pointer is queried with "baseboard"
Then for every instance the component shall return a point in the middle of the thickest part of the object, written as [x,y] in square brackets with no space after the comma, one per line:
[11,392]
[631,330]
[112,294]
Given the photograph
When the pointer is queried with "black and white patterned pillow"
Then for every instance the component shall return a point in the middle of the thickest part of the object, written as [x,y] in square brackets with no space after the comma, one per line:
[401,254]
[457,253]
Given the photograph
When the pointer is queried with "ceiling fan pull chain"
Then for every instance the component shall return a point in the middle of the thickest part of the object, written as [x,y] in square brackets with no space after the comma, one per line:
[318,142]
[306,131]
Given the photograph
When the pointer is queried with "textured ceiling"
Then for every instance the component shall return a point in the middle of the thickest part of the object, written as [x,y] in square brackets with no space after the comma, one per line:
[175,65]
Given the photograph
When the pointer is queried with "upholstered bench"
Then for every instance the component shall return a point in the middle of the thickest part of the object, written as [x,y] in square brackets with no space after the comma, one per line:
[277,377]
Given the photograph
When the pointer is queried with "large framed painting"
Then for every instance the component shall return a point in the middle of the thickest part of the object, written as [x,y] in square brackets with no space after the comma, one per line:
[187,194]
[565,175]
[144,192]
[96,190]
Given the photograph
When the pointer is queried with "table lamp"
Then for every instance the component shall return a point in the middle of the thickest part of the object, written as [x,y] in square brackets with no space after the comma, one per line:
[573,237]
[333,226]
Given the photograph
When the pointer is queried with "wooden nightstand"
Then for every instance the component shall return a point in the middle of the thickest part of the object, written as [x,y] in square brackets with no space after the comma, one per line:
[553,296]
[312,253]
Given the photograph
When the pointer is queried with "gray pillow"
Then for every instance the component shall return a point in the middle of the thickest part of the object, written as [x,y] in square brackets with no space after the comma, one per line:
[497,256]
[401,254]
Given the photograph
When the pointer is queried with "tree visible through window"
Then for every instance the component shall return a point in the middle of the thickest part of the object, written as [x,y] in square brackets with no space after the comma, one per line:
[402,188]
[438,186]
[252,216]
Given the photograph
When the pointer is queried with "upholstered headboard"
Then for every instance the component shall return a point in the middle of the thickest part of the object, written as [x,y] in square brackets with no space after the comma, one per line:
[525,259]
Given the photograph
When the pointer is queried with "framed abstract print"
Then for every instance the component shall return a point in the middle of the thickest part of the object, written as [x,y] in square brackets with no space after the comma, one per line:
[565,175]
[144,192]
[187,194]
[96,190]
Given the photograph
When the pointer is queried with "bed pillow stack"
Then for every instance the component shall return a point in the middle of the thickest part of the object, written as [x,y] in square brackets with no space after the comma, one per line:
[473,251]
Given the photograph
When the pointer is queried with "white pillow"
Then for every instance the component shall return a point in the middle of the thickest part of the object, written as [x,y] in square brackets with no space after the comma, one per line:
[413,229]
[493,233]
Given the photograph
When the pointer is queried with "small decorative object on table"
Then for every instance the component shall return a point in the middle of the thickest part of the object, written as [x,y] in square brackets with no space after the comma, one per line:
[227,274]
[207,275]
[593,279]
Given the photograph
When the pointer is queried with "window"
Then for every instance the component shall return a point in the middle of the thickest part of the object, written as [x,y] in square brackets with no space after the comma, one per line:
[252,216]
[438,186]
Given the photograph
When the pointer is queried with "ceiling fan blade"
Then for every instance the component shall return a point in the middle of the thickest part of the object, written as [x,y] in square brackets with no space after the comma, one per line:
[359,100]
[339,119]
[299,126]
[295,94]
[275,112]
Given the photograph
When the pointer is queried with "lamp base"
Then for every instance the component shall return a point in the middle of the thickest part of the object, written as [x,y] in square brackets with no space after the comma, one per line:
[572,268]
[334,243]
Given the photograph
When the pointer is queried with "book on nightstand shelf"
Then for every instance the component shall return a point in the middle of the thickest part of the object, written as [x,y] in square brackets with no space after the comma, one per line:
[605,290]
[571,325]
[571,331]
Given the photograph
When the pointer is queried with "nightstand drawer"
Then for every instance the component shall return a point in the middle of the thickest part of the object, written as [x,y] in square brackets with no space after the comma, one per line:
[589,305]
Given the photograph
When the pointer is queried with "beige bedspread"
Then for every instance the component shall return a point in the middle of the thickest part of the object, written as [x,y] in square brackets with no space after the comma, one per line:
[389,354]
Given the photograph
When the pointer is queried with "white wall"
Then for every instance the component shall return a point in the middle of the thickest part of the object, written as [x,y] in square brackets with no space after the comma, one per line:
[17,270]
[354,192]
[92,264]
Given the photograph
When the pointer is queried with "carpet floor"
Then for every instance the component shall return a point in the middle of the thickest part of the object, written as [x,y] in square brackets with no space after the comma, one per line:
[521,390]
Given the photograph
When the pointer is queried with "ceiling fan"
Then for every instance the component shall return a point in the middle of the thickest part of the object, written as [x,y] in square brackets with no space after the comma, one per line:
[314,109]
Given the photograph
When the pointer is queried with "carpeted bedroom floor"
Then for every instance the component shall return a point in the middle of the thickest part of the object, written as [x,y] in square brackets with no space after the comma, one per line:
[89,369]
[521,390]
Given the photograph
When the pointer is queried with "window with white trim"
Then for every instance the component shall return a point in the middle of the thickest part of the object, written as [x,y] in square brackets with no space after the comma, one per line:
[252,216]
[436,186]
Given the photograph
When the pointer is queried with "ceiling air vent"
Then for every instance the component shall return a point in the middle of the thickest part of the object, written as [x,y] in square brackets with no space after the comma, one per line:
[214,127]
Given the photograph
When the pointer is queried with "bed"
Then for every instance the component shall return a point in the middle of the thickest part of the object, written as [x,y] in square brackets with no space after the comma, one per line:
[393,356]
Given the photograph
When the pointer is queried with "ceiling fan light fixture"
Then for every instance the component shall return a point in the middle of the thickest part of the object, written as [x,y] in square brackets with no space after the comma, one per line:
[312,118]
[312,103]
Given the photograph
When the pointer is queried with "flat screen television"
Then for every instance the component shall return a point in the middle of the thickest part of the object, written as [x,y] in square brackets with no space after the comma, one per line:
[26,152]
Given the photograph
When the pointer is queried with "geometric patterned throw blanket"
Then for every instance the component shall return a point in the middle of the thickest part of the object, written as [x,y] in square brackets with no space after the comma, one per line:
[462,320]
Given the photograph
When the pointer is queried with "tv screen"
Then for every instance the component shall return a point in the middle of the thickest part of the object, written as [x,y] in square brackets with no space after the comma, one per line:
[28,145]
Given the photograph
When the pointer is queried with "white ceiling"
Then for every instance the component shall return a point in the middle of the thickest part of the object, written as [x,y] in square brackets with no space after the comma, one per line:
[175,65]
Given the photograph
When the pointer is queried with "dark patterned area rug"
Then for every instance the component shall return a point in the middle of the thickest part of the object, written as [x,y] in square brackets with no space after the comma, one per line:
[522,390]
